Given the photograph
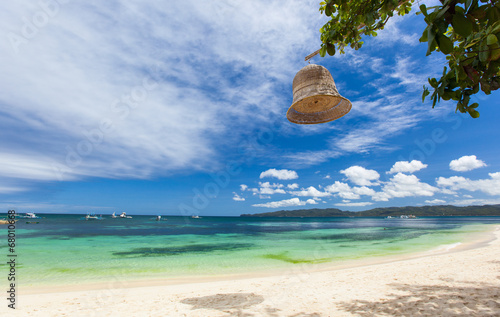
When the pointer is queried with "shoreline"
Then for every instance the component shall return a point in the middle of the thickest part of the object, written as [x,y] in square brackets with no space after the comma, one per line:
[477,240]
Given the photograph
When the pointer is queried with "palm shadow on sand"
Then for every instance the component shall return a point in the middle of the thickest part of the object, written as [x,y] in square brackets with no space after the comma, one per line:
[432,300]
[236,304]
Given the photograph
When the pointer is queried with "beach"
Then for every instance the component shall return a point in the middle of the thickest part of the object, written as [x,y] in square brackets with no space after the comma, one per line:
[458,280]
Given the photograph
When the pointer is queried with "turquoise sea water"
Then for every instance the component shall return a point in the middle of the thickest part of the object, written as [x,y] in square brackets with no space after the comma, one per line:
[63,249]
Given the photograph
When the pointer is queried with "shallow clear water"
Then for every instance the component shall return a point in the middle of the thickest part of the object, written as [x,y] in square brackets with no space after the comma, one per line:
[63,249]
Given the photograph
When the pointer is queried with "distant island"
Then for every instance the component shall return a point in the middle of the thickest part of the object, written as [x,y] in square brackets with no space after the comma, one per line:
[423,211]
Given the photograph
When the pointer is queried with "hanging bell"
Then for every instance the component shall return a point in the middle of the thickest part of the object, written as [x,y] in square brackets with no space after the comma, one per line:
[315,97]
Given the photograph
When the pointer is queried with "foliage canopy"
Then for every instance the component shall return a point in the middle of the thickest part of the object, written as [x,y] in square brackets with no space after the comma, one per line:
[466,31]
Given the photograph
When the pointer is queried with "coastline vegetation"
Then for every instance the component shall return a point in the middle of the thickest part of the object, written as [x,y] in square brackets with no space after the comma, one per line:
[422,211]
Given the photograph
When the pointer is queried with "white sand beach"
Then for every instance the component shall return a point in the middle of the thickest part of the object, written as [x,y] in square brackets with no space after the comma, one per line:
[453,281]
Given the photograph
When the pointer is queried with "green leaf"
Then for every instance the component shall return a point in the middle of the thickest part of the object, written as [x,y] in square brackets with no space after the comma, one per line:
[494,51]
[369,18]
[444,43]
[328,11]
[485,87]
[496,27]
[425,93]
[430,40]
[491,39]
[322,51]
[423,9]
[424,36]
[473,113]
[446,95]
[433,82]
[461,25]
[484,53]
[474,105]
[330,49]
[467,4]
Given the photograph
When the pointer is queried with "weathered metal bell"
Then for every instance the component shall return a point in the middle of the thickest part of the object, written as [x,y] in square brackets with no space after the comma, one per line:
[315,97]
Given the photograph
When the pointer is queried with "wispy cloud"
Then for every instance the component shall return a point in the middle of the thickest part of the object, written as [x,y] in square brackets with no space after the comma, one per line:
[167,80]
[350,204]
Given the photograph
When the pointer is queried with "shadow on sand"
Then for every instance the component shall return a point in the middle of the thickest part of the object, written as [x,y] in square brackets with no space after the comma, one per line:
[432,300]
[234,304]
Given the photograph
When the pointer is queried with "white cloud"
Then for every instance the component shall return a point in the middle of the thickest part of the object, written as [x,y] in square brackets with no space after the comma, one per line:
[267,188]
[12,189]
[292,186]
[477,201]
[279,174]
[32,168]
[308,158]
[435,201]
[349,204]
[407,167]
[310,191]
[466,163]
[363,190]
[286,203]
[236,197]
[402,185]
[342,190]
[243,187]
[403,68]
[489,186]
[361,176]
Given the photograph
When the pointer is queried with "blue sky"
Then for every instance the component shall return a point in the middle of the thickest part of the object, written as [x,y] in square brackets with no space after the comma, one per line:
[179,108]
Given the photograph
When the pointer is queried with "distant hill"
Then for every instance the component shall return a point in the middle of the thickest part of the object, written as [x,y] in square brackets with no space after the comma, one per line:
[423,211]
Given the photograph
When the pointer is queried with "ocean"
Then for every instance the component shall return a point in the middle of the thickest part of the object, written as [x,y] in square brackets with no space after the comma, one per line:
[68,250]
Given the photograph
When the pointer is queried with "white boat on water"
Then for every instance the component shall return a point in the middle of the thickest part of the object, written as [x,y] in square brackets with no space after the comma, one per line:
[124,215]
[113,215]
[92,216]
[30,215]
[390,217]
[195,217]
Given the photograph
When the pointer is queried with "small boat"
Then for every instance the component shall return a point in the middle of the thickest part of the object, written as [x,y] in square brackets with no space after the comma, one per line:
[113,215]
[124,215]
[404,217]
[195,217]
[158,218]
[30,215]
[93,216]
[390,217]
